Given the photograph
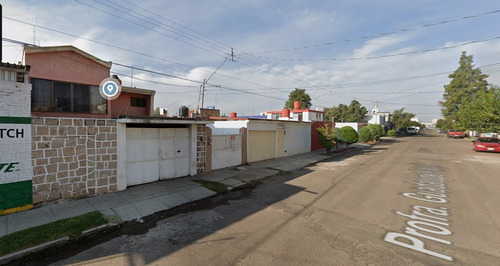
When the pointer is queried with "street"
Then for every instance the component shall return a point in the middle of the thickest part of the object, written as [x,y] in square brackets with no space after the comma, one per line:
[420,200]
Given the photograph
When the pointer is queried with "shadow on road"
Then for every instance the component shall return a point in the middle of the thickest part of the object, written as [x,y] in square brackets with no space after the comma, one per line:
[245,202]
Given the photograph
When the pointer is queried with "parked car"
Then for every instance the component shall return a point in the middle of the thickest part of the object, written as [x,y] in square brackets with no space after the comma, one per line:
[411,131]
[453,133]
[439,130]
[486,144]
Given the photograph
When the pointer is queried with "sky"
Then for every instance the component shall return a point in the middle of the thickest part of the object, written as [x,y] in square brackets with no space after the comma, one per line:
[253,53]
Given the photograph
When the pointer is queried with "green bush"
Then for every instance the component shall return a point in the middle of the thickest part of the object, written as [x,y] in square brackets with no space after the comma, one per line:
[391,133]
[376,131]
[326,137]
[339,136]
[365,134]
[350,134]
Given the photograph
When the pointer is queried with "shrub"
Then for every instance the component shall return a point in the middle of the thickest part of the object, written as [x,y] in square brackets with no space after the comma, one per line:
[326,137]
[339,136]
[365,134]
[377,131]
[391,133]
[350,134]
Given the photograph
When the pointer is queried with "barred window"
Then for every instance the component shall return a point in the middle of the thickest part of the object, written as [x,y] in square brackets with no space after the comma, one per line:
[55,96]
[275,115]
[138,102]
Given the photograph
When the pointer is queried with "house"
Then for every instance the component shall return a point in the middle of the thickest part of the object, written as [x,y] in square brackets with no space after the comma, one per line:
[65,83]
[15,139]
[316,118]
[378,118]
[296,114]
[237,141]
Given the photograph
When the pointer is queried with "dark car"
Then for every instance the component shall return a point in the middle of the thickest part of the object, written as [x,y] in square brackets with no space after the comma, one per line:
[486,144]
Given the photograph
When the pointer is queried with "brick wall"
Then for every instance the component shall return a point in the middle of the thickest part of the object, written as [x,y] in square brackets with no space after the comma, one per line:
[73,158]
[201,140]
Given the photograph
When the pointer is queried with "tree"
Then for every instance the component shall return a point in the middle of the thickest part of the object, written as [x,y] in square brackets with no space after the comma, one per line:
[329,136]
[443,124]
[350,134]
[157,111]
[301,96]
[465,83]
[401,119]
[376,131]
[365,134]
[343,113]
[481,113]
[326,137]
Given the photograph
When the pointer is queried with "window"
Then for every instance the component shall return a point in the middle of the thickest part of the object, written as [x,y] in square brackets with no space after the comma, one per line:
[55,96]
[138,102]
[275,115]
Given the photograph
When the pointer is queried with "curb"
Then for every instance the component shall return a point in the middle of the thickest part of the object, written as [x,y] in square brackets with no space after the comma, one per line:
[58,242]
[19,254]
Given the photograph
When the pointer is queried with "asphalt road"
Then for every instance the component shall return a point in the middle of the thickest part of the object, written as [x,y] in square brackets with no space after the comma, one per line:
[423,200]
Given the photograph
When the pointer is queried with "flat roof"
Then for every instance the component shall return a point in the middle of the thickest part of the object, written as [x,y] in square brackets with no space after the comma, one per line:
[138,91]
[158,120]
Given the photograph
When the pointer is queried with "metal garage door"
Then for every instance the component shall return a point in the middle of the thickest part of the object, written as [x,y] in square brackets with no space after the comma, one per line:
[261,145]
[156,153]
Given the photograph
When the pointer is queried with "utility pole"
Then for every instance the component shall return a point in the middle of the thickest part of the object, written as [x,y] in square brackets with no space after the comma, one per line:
[231,58]
[231,55]
[203,93]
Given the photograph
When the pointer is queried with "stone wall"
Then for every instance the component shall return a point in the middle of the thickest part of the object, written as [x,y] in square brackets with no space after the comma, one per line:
[73,158]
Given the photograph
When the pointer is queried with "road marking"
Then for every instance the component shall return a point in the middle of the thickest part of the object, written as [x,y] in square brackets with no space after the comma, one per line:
[426,222]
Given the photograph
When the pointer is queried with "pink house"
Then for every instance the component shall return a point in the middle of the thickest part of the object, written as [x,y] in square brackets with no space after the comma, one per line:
[65,83]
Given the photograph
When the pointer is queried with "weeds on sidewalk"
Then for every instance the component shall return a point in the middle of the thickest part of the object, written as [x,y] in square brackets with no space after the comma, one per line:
[45,233]
[214,186]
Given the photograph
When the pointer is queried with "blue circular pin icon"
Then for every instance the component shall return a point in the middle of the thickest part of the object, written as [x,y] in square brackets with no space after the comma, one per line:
[110,89]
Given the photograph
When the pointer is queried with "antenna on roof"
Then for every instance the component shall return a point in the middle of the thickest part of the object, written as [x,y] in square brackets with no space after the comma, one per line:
[34,26]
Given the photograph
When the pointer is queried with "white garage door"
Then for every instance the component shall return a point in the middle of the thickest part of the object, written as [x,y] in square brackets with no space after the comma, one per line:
[156,153]
[261,145]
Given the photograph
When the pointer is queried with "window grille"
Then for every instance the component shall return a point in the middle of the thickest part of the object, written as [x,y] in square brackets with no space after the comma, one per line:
[138,102]
[226,142]
[55,96]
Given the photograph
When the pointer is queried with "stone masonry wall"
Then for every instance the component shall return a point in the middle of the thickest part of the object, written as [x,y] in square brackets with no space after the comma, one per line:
[201,140]
[73,158]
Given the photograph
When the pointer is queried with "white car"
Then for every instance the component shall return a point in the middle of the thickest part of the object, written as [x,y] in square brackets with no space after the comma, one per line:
[411,131]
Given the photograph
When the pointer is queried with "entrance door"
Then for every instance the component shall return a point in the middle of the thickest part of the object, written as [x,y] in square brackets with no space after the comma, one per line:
[156,153]
[142,155]
[261,145]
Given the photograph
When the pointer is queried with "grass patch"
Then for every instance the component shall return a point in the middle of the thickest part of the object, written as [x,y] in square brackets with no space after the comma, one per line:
[44,233]
[215,186]
[280,172]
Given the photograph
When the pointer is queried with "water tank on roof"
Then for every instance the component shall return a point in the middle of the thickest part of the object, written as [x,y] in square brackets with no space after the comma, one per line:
[183,111]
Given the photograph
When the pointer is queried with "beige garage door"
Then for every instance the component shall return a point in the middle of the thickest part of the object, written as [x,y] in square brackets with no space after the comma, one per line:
[260,145]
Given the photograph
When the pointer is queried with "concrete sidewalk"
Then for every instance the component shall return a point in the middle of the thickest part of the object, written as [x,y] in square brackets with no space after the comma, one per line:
[143,200]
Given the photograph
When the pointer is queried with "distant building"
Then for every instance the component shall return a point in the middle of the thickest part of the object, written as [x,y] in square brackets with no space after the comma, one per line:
[378,118]
[296,114]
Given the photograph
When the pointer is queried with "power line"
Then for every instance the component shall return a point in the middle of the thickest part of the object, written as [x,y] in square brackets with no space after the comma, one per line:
[380,34]
[381,56]
[131,51]
[153,72]
[140,25]
[178,24]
